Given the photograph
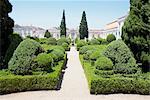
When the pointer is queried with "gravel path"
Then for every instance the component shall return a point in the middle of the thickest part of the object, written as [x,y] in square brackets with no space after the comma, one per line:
[74,87]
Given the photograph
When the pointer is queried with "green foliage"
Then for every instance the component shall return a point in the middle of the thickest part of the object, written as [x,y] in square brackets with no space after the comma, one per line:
[120,85]
[111,37]
[21,61]
[44,62]
[102,41]
[47,34]
[136,30]
[15,40]
[86,55]
[104,73]
[94,42]
[83,28]
[63,40]
[95,55]
[66,46]
[63,25]
[121,57]
[10,84]
[51,41]
[81,43]
[103,63]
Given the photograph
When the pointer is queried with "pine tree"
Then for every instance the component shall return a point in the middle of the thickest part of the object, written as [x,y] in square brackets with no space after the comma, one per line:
[136,31]
[83,28]
[63,25]
[6,27]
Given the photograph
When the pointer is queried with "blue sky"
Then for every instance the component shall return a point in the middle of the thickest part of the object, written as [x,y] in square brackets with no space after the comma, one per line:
[48,13]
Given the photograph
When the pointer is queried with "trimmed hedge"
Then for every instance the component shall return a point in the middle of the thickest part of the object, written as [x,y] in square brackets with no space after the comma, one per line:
[103,63]
[21,61]
[81,43]
[51,81]
[111,37]
[122,57]
[120,85]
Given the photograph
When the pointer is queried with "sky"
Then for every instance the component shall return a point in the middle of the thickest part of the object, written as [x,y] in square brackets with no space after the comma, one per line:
[48,13]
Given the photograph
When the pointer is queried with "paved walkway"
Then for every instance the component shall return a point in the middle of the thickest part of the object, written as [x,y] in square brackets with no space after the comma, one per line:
[74,87]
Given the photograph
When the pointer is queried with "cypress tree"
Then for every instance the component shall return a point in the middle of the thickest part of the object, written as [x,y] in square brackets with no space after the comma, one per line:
[6,28]
[136,31]
[63,25]
[83,28]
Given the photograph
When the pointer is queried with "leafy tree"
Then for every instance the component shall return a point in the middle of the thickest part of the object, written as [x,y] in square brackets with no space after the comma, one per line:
[63,25]
[47,34]
[6,24]
[136,31]
[83,28]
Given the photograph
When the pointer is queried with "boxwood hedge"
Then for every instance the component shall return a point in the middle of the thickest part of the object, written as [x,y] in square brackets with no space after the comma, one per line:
[15,83]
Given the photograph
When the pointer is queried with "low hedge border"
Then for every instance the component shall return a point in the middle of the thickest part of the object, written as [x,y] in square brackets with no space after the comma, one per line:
[120,85]
[99,85]
[52,81]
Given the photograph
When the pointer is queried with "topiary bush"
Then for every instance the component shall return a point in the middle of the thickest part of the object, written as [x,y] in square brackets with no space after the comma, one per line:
[66,46]
[84,49]
[44,62]
[51,41]
[95,55]
[121,57]
[80,44]
[102,41]
[111,37]
[103,63]
[86,56]
[15,40]
[94,42]
[21,61]
[63,40]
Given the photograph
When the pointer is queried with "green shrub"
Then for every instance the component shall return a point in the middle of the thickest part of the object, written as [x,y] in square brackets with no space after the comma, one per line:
[145,58]
[103,63]
[65,46]
[47,34]
[102,41]
[15,40]
[95,55]
[80,44]
[21,61]
[63,40]
[51,41]
[120,85]
[58,54]
[94,42]
[121,57]
[103,73]
[111,37]
[86,56]
[44,62]
[84,49]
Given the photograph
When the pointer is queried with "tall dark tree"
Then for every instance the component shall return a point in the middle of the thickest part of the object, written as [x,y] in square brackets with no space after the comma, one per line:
[6,27]
[63,25]
[83,28]
[136,31]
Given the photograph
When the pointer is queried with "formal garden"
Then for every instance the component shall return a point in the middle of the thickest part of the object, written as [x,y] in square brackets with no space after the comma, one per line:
[35,64]
[111,68]
[110,65]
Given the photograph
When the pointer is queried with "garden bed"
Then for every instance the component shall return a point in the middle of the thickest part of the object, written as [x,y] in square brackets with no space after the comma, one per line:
[106,81]
[10,83]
